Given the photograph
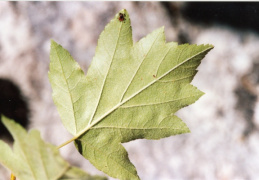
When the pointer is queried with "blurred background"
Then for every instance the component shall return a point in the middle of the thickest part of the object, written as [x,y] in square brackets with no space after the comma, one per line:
[224,143]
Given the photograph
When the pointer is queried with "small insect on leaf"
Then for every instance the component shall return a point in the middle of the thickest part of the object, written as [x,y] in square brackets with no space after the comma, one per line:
[121,17]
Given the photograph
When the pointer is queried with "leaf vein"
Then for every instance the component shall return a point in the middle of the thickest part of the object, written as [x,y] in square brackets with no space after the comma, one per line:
[60,87]
[74,87]
[162,60]
[166,81]
[135,128]
[141,105]
[132,96]
[70,95]
[41,159]
[143,59]
[103,152]
[99,98]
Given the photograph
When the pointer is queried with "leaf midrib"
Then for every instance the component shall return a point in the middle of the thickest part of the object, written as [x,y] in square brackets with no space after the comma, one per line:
[133,95]
[112,58]
[70,95]
[135,128]
[143,59]
[26,159]
[152,104]
[41,159]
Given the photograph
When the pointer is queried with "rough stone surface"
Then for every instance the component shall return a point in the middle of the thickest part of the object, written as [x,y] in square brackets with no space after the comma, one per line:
[224,143]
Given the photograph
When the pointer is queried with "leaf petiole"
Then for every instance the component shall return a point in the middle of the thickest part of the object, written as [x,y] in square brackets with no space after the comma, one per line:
[67,142]
[74,138]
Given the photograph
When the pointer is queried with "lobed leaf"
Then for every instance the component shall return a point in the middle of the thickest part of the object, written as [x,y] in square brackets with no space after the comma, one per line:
[131,91]
[33,159]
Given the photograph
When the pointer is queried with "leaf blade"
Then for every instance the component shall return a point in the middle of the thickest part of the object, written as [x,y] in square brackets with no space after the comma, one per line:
[133,93]
[32,158]
[67,79]
[110,144]
[121,43]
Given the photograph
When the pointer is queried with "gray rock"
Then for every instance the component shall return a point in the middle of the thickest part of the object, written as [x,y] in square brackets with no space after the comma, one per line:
[224,122]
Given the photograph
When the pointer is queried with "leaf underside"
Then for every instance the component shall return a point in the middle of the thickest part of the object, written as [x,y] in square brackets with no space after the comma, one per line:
[33,159]
[131,91]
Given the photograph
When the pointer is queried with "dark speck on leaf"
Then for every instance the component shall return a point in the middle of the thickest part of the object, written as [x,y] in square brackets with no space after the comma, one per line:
[121,17]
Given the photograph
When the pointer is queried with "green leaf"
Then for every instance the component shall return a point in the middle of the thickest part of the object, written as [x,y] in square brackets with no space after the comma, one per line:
[33,159]
[78,174]
[131,91]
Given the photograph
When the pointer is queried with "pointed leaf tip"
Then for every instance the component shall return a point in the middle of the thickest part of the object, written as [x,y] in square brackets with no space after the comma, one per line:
[13,127]
[53,44]
[123,11]
[4,119]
